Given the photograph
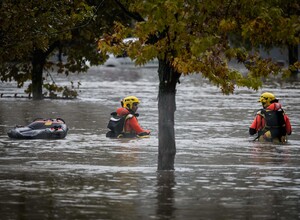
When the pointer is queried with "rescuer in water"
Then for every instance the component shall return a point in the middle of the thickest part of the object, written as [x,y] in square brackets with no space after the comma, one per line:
[271,123]
[124,123]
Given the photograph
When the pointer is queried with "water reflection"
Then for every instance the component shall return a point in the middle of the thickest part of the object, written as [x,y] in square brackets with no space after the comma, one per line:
[165,195]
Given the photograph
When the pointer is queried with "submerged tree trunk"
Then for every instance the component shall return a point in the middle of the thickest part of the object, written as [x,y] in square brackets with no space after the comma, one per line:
[168,79]
[38,62]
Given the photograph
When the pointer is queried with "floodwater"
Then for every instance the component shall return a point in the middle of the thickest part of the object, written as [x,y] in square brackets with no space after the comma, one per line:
[219,172]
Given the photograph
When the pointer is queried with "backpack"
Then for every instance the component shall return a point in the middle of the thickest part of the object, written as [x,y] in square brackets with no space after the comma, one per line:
[274,122]
[116,125]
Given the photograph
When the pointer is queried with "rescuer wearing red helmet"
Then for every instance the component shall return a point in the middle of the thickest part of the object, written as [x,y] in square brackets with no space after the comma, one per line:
[271,123]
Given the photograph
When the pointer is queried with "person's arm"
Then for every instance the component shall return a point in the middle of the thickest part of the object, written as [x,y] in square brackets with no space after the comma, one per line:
[256,125]
[288,126]
[134,124]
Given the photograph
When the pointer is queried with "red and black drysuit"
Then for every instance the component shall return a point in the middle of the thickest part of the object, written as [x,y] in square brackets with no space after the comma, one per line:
[272,119]
[131,127]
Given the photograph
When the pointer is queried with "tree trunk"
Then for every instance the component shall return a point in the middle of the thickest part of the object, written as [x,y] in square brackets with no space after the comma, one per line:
[168,79]
[293,57]
[38,62]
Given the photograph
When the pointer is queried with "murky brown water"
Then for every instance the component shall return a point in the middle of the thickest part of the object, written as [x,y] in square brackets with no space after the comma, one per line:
[220,173]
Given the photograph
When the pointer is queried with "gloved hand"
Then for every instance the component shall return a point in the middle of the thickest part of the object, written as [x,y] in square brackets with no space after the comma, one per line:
[283,139]
[144,134]
[252,131]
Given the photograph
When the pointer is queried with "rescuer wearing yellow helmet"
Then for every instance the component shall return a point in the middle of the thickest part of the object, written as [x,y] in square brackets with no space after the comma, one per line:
[131,103]
[271,123]
[124,121]
[267,99]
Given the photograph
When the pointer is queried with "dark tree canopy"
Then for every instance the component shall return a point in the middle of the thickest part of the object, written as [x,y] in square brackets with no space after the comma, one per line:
[203,36]
[33,30]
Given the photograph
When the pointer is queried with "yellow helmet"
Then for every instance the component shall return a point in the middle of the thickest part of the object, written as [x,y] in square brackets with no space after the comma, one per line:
[267,98]
[129,100]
